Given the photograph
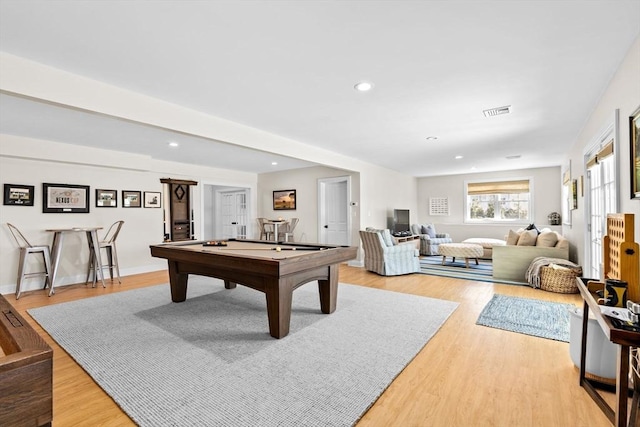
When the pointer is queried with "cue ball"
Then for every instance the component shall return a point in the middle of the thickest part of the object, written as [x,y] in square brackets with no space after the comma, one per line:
[278,249]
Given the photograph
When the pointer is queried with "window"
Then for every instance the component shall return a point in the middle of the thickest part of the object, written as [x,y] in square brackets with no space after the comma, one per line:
[490,201]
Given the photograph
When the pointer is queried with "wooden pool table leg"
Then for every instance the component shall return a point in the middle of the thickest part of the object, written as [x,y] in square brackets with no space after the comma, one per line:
[328,290]
[279,296]
[178,283]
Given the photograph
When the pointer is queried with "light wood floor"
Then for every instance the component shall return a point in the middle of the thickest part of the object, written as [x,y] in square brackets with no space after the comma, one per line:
[467,375]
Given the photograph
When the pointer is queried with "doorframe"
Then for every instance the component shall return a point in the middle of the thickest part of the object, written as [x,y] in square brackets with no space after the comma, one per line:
[251,203]
[322,205]
[611,130]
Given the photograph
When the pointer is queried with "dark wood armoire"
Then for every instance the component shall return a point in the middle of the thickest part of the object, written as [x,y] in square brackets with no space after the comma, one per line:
[179,222]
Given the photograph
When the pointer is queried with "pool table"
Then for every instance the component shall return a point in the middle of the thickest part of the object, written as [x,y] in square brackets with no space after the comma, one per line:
[276,269]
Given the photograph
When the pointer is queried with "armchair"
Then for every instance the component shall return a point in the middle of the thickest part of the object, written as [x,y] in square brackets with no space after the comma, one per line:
[429,239]
[387,260]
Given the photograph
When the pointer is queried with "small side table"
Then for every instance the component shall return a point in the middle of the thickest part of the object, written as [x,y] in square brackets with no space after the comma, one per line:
[413,239]
[625,340]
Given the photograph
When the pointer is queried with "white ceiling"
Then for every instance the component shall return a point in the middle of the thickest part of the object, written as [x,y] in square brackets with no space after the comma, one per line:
[289,68]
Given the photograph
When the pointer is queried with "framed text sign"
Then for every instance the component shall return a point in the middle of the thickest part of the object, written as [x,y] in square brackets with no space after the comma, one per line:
[65,198]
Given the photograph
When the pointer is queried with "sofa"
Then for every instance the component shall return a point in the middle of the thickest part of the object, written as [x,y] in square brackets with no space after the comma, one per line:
[384,257]
[429,238]
[510,262]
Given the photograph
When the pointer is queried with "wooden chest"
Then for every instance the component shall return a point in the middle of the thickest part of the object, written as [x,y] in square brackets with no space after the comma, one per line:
[26,372]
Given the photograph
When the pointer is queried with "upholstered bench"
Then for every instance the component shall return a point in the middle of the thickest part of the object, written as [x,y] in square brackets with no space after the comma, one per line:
[460,250]
[487,245]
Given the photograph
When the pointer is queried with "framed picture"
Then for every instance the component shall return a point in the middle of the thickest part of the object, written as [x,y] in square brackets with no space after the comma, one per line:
[106,198]
[18,195]
[131,199]
[634,138]
[574,194]
[284,200]
[152,199]
[65,198]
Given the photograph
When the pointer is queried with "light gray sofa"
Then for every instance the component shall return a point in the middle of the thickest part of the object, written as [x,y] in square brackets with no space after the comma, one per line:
[429,243]
[383,257]
[510,262]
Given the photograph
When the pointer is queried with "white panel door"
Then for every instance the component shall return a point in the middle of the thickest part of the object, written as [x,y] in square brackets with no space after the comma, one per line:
[334,226]
[233,206]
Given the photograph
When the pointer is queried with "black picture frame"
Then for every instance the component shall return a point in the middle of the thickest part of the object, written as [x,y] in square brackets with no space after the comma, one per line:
[106,198]
[284,200]
[634,153]
[131,199]
[18,195]
[152,199]
[65,198]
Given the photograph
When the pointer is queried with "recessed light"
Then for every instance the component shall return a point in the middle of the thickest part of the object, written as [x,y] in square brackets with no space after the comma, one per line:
[458,157]
[363,86]
[173,144]
[431,138]
[274,163]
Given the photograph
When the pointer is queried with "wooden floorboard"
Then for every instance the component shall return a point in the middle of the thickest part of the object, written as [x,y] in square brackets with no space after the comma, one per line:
[467,375]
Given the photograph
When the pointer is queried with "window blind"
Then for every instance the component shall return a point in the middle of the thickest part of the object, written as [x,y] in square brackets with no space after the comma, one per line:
[605,152]
[498,187]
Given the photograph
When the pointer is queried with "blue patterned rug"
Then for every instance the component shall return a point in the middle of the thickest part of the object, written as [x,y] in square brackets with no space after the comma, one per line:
[483,272]
[543,319]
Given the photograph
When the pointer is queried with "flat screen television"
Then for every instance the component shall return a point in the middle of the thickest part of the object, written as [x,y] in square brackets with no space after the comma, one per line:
[401,222]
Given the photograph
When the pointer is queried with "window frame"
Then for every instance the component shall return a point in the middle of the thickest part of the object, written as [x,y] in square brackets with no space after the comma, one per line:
[467,217]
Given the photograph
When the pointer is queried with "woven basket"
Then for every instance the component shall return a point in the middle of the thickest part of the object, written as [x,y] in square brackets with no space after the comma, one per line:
[562,281]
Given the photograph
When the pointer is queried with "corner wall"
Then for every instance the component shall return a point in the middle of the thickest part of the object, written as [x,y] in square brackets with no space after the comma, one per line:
[546,199]
[622,94]
[33,162]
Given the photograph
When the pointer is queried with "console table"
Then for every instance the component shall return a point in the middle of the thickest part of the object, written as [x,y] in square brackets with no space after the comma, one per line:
[624,339]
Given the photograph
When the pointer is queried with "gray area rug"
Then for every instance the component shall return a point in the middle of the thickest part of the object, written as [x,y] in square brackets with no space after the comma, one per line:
[210,360]
[543,319]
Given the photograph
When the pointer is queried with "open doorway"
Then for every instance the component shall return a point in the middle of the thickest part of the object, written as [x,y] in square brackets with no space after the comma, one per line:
[225,212]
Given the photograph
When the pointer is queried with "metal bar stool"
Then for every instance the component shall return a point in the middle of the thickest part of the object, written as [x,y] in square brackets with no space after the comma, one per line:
[109,245]
[26,249]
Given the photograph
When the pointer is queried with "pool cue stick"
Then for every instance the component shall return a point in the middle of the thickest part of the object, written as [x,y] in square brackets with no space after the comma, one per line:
[266,249]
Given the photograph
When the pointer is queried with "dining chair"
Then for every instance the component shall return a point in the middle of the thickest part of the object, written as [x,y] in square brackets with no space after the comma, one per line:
[108,243]
[27,249]
[287,230]
[266,229]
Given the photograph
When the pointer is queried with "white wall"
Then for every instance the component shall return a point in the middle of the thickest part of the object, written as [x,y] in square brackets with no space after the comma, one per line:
[546,199]
[623,94]
[305,182]
[33,162]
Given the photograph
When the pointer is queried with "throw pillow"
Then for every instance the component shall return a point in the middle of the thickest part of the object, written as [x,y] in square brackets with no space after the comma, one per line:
[512,238]
[548,239]
[528,238]
[431,231]
[386,236]
[423,230]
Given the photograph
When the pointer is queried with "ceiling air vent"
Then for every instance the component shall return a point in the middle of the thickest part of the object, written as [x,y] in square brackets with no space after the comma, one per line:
[497,111]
